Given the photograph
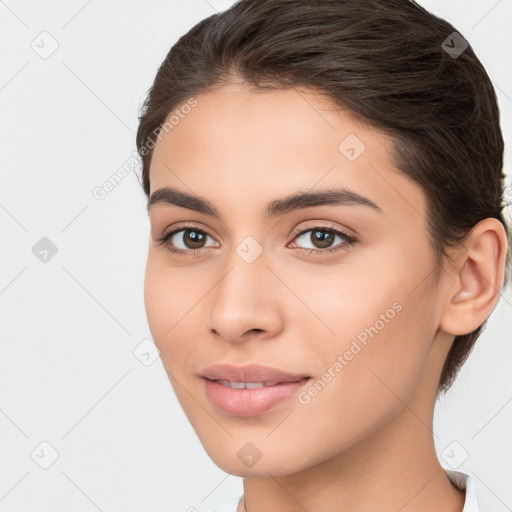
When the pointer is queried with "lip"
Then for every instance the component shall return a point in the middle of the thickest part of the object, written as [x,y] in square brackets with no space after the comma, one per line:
[249,373]
[250,402]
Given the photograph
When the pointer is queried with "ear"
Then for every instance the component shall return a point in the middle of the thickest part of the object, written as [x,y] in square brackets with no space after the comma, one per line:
[476,278]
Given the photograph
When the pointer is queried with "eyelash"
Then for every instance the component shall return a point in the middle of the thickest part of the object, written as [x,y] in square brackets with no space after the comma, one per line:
[191,253]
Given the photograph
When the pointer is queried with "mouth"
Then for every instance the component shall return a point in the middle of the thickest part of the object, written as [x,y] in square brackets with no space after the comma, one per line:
[249,399]
[250,376]
[250,390]
[253,385]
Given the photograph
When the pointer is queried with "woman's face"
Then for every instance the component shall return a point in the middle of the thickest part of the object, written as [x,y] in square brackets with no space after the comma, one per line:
[359,316]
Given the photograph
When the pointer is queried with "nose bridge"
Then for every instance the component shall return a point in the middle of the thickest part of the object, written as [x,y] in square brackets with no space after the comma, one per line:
[245,297]
[247,263]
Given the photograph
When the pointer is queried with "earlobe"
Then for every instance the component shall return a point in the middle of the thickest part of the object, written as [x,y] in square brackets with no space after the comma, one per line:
[478,278]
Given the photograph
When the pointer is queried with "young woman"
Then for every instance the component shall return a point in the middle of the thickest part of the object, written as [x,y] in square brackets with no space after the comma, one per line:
[324,185]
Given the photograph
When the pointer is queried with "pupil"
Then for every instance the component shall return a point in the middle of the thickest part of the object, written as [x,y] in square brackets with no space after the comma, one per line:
[321,237]
[193,239]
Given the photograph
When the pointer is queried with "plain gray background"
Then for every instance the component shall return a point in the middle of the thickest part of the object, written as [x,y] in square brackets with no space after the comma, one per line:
[73,374]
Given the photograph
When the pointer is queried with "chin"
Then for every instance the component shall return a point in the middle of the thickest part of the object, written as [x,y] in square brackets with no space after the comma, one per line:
[230,458]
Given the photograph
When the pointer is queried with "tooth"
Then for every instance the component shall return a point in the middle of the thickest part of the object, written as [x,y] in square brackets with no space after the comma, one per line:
[247,385]
[237,385]
[254,385]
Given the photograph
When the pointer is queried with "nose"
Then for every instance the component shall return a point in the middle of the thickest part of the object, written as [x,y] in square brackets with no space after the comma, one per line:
[246,301]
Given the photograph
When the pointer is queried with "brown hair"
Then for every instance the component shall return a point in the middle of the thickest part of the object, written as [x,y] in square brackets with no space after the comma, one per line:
[384,60]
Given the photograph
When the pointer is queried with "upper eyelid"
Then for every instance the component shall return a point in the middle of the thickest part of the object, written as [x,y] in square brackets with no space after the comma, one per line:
[190,227]
[315,224]
[187,228]
[323,226]
[169,234]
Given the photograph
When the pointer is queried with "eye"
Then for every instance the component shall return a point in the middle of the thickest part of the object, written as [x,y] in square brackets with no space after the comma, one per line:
[185,240]
[322,239]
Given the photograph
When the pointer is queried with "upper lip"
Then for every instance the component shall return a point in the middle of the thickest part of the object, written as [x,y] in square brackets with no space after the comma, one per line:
[249,373]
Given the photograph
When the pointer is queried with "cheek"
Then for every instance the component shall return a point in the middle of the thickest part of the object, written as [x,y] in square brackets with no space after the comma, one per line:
[174,299]
[369,367]
[157,300]
[377,332]
[166,302]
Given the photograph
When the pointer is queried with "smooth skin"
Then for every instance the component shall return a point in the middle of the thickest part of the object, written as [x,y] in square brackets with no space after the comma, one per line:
[365,441]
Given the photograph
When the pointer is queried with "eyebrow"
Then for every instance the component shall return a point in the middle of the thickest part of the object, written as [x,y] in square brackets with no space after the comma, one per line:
[279,206]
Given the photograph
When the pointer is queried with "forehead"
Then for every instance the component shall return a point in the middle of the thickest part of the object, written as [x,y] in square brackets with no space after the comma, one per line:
[237,123]
[240,140]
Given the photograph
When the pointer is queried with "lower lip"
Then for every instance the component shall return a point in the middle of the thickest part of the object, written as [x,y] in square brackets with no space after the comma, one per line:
[250,402]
